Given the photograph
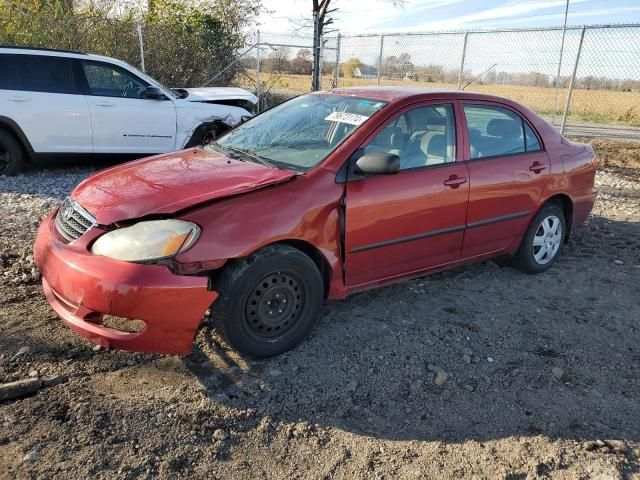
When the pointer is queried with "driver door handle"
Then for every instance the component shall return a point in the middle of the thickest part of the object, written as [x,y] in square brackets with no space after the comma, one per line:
[105,103]
[454,181]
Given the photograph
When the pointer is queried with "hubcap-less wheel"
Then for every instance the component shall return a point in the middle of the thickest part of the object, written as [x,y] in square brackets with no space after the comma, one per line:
[273,306]
[547,240]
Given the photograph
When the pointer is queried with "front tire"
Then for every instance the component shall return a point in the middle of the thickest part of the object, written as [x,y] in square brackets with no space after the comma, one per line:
[269,301]
[11,160]
[542,241]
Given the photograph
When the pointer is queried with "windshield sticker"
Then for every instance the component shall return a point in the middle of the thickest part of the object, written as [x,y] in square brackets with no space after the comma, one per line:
[345,117]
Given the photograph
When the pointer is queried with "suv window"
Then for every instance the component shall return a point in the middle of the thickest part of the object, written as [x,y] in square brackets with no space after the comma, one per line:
[495,131]
[421,137]
[109,81]
[10,75]
[48,74]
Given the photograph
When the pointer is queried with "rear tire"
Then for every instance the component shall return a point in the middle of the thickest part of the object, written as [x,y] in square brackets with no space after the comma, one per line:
[269,301]
[543,240]
[11,158]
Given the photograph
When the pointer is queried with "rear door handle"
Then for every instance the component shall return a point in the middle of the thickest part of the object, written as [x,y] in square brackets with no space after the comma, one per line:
[19,99]
[454,181]
[537,167]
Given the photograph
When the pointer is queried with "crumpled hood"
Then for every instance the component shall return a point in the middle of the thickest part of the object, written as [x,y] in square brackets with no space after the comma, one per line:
[169,183]
[220,93]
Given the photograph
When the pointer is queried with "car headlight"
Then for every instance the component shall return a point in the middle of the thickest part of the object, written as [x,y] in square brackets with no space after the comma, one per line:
[150,240]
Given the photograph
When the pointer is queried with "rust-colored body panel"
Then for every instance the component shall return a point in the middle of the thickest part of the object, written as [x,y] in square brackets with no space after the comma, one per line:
[369,231]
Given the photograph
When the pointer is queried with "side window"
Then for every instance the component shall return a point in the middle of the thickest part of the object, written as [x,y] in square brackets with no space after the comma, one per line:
[10,74]
[48,74]
[493,131]
[532,144]
[107,81]
[420,137]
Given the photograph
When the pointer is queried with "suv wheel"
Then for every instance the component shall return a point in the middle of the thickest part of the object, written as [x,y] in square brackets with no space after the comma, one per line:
[10,154]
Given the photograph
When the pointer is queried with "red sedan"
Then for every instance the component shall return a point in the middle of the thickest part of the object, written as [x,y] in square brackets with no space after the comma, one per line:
[322,196]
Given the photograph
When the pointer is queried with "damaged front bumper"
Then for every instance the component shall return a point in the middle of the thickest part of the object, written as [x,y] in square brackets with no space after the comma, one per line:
[82,288]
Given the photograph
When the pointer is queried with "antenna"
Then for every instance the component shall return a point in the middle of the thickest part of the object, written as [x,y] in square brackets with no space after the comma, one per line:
[478,76]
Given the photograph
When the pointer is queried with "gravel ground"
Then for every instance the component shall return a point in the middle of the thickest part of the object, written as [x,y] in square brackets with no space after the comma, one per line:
[479,372]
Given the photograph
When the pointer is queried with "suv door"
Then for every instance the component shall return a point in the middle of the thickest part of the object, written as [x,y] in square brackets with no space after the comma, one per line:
[43,98]
[508,169]
[413,220]
[123,121]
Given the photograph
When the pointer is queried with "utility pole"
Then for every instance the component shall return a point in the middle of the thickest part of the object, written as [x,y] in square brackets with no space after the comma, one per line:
[315,71]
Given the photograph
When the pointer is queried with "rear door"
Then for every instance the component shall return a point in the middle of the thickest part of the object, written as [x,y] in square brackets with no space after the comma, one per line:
[122,121]
[413,220]
[508,169]
[42,96]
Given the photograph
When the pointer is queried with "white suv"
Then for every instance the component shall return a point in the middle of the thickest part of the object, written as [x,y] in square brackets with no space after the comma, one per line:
[54,104]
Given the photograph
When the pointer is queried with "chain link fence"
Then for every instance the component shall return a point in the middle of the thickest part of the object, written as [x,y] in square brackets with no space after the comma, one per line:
[596,68]
[592,76]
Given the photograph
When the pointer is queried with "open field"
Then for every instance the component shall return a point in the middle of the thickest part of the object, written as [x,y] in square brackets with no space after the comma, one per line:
[601,106]
[541,370]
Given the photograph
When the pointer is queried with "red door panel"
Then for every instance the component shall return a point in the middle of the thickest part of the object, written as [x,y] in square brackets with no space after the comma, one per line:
[403,223]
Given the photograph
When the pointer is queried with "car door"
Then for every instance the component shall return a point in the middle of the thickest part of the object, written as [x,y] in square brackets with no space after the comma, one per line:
[123,121]
[508,170]
[413,220]
[42,96]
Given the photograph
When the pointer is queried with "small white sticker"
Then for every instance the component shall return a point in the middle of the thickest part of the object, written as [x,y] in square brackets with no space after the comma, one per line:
[345,117]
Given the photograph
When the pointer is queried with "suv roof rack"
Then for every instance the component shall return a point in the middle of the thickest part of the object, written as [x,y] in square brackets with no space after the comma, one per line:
[22,47]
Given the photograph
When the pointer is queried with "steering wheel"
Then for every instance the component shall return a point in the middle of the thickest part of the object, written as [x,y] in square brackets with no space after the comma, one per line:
[128,86]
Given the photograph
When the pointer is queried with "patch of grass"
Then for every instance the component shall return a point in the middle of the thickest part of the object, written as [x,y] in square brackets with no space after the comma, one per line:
[615,154]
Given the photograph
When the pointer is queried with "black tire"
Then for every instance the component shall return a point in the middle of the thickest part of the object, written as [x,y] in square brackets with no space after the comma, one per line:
[11,158]
[532,259]
[206,133]
[269,301]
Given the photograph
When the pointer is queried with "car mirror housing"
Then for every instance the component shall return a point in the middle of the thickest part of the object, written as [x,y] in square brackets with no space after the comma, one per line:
[153,93]
[379,163]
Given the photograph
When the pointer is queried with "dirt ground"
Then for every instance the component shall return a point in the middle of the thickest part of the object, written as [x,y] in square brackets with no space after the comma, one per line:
[541,372]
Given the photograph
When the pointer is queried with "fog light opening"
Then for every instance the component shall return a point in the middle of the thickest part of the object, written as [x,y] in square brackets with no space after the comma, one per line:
[128,325]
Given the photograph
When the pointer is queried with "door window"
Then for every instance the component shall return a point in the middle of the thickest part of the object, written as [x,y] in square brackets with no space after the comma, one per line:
[420,137]
[495,131]
[10,75]
[108,81]
[48,74]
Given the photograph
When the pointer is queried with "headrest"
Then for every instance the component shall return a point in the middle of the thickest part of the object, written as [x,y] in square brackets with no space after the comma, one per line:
[504,128]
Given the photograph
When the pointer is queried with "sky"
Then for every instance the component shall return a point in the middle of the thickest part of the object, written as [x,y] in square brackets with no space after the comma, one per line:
[381,16]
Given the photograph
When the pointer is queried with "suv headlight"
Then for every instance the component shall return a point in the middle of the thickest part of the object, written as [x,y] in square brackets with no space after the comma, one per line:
[150,240]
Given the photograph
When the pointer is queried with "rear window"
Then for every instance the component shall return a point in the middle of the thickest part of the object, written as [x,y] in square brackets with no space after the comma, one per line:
[48,74]
[10,75]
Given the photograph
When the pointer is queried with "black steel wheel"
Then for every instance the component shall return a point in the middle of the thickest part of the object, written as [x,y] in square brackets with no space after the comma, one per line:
[269,301]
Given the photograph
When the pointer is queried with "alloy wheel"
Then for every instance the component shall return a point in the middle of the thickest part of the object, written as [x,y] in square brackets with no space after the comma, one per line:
[547,240]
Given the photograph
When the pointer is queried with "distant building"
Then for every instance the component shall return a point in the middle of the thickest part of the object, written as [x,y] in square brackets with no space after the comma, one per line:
[365,71]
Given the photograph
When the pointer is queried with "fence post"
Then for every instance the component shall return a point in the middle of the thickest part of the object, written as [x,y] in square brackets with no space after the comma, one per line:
[462,58]
[141,43]
[380,59]
[258,71]
[337,73]
[573,79]
[564,33]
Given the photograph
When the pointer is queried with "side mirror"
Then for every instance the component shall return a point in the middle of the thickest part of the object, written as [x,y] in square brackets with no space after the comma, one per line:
[377,164]
[153,93]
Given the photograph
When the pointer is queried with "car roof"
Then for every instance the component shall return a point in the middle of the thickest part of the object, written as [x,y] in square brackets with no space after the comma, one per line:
[392,94]
[53,52]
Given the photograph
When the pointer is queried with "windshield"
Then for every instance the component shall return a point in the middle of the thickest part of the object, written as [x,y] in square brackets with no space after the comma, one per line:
[300,133]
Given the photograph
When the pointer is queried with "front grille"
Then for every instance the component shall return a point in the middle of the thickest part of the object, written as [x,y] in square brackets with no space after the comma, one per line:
[72,220]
